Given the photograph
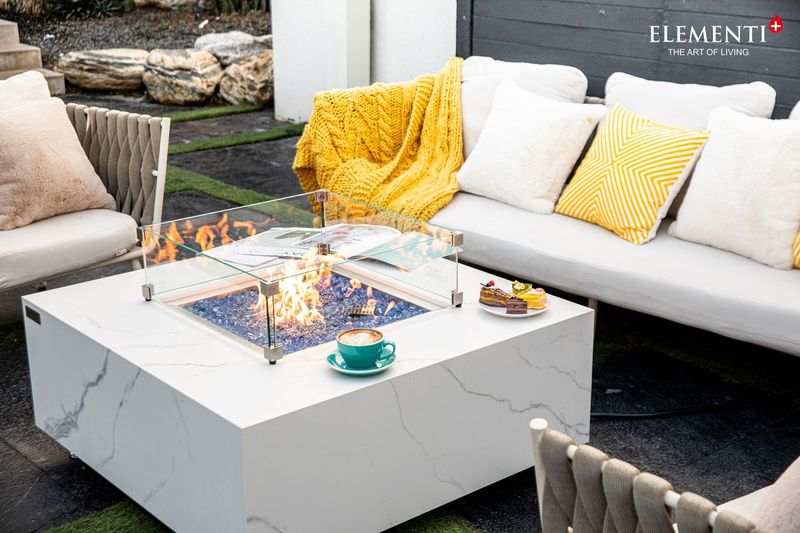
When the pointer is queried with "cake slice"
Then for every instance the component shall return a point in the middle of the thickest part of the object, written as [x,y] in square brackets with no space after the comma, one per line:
[491,295]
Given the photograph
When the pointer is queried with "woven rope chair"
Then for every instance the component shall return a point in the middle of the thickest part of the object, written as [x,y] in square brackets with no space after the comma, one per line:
[581,489]
[129,153]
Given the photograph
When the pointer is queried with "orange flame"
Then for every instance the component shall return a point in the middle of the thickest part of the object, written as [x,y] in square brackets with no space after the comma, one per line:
[354,284]
[389,307]
[298,297]
[206,237]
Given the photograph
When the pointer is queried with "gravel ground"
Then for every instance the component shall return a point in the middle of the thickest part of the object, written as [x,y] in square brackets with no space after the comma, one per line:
[146,28]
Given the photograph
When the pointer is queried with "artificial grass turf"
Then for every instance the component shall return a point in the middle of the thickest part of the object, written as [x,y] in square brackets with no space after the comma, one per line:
[127,517]
[123,517]
[180,179]
[234,139]
[212,112]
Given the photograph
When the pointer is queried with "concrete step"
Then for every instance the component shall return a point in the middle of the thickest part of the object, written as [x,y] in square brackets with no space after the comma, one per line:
[19,57]
[55,80]
[9,33]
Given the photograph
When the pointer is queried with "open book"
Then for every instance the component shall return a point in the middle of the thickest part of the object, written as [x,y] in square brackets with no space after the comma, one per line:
[381,243]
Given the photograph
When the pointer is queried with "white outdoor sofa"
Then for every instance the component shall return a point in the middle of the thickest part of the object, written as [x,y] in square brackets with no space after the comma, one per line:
[667,277]
[129,153]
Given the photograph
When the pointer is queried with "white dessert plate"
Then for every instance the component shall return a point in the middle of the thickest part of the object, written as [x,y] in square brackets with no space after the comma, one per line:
[501,311]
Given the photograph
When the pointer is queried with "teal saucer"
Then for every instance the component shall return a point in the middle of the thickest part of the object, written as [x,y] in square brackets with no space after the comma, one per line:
[337,363]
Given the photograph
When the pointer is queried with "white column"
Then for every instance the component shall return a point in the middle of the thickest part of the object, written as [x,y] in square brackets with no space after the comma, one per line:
[411,37]
[319,45]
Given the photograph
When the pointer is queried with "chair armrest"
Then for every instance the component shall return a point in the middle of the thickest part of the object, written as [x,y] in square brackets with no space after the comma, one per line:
[129,153]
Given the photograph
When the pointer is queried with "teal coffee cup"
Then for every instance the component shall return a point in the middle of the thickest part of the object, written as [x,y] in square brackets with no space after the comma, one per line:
[363,347]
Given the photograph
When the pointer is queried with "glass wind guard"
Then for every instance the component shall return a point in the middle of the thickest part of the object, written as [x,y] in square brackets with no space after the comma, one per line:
[292,273]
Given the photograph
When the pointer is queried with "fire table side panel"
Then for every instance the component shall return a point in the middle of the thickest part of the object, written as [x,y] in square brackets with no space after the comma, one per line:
[383,454]
[174,457]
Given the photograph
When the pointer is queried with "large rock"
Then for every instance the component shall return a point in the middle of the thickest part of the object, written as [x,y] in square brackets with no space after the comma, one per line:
[248,81]
[181,76]
[233,46]
[117,69]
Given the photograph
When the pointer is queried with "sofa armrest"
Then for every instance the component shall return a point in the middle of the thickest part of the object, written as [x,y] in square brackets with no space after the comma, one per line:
[129,153]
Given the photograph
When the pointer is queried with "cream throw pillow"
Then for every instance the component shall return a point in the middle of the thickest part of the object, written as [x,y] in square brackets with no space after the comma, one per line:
[43,169]
[27,87]
[745,193]
[528,148]
[480,77]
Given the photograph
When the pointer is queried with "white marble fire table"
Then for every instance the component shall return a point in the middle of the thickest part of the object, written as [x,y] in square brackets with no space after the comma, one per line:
[207,436]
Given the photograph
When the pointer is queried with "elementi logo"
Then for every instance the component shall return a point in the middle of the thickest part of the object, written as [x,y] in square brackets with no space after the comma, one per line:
[714,35]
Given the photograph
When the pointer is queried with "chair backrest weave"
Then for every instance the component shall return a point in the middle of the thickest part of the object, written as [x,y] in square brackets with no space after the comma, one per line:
[584,490]
[125,151]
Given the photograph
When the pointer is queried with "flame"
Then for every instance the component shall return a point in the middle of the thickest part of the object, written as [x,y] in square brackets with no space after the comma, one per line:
[369,292]
[248,226]
[165,247]
[205,237]
[389,307]
[298,297]
[371,303]
[354,284]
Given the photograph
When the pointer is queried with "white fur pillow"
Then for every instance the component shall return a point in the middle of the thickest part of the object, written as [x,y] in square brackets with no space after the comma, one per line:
[528,148]
[480,76]
[795,114]
[43,169]
[26,87]
[686,105]
[745,193]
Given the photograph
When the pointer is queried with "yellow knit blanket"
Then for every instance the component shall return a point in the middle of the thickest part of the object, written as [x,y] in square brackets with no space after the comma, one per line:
[396,146]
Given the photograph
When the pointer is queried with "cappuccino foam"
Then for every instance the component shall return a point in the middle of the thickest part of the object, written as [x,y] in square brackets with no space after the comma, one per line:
[360,337]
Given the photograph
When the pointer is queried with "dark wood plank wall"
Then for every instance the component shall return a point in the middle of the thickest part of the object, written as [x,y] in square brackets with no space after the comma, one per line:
[602,37]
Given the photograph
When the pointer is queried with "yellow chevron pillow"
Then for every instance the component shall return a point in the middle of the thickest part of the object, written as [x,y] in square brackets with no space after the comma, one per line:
[631,174]
[796,249]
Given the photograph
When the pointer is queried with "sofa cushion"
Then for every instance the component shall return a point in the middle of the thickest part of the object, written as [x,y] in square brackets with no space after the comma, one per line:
[481,75]
[745,193]
[43,168]
[23,88]
[63,243]
[528,148]
[678,280]
[631,174]
[686,105]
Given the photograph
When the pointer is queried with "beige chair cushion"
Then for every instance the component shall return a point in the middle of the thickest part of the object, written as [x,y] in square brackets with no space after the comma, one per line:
[779,509]
[62,244]
[43,168]
[23,88]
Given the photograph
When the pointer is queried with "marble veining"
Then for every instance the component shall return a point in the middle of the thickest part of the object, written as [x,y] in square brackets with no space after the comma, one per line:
[433,459]
[125,392]
[60,428]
